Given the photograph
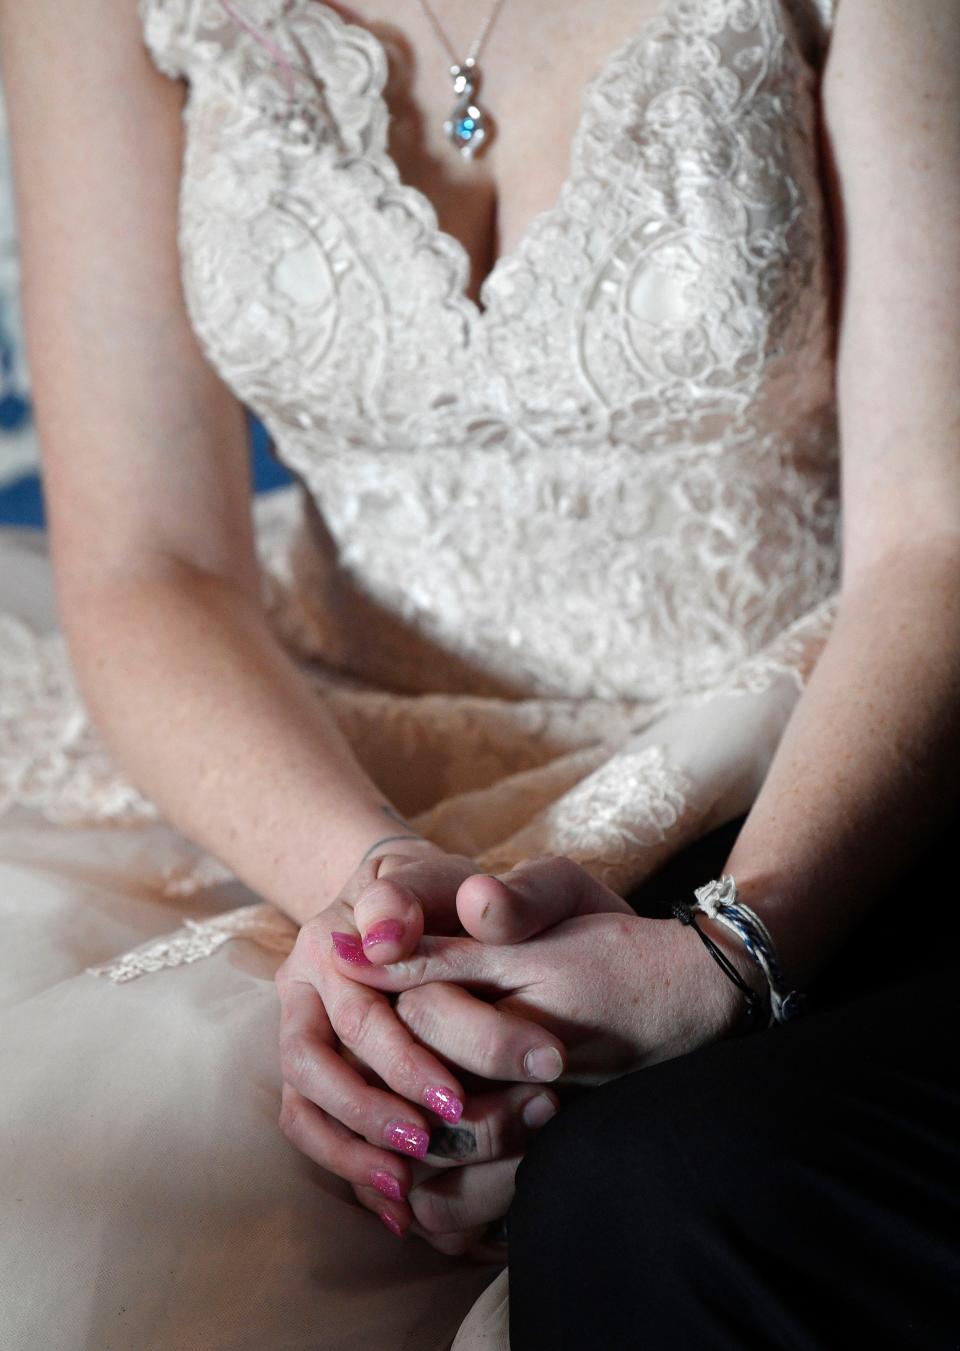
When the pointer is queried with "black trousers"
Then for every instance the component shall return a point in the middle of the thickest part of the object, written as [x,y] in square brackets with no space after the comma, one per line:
[794,1188]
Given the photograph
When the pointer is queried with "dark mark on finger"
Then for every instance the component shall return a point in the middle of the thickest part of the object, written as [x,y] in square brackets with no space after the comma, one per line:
[452,1142]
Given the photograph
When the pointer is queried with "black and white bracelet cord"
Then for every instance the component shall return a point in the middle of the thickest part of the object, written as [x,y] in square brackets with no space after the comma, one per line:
[719,900]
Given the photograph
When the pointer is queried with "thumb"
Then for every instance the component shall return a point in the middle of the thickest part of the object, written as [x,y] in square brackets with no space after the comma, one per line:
[532,896]
[408,893]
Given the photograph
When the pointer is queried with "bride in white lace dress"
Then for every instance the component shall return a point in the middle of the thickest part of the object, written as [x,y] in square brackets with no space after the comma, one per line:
[562,555]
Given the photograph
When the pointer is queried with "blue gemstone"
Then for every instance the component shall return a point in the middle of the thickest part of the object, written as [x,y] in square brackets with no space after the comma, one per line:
[465,128]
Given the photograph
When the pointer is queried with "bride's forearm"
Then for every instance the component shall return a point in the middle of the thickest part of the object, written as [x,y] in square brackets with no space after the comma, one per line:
[864,775]
[209,717]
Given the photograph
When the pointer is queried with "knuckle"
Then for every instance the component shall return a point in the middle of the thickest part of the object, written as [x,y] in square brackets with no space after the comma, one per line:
[381,892]
[353,1113]
[484,1060]
[492,1054]
[406,1070]
[313,943]
[294,1057]
[435,1211]
[410,1007]
[387,864]
[406,1065]
[344,1119]
[289,1118]
[567,871]
[406,1001]
[412,971]
[622,928]
[351,1017]
[425,1012]
[488,1136]
[408,973]
[287,1015]
[453,1245]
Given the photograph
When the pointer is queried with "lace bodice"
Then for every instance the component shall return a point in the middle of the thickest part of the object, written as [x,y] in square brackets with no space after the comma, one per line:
[559,563]
[614,478]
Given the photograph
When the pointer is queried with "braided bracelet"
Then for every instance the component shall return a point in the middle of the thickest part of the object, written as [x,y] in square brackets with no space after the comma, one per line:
[720,901]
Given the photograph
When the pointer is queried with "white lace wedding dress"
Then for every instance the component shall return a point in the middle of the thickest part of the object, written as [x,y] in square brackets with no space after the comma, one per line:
[560,563]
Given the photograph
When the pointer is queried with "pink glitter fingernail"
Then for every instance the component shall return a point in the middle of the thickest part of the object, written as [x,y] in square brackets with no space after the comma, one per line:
[384,931]
[348,949]
[408,1137]
[444,1103]
[387,1184]
[392,1224]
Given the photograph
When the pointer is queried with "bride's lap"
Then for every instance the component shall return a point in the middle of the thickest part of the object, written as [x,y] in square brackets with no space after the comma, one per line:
[150,1199]
[157,1203]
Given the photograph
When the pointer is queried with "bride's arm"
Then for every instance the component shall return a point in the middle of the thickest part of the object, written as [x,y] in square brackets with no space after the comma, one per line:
[146,476]
[147,487]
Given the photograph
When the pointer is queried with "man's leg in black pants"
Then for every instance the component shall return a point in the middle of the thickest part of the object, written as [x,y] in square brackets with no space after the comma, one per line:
[793,1188]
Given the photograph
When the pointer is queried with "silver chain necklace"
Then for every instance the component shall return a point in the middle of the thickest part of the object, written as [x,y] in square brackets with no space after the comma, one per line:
[467,126]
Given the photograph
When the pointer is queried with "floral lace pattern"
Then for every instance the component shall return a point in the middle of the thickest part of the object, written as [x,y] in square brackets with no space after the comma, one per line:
[263,924]
[635,803]
[51,758]
[641,416]
[561,562]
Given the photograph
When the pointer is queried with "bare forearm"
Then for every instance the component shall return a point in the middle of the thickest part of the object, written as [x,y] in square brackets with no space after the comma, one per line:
[865,773]
[211,720]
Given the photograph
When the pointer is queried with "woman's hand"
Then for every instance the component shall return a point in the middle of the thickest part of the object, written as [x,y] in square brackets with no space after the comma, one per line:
[361,1094]
[452,1209]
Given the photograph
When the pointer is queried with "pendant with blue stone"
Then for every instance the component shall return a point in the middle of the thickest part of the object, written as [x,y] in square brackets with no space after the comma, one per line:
[467,125]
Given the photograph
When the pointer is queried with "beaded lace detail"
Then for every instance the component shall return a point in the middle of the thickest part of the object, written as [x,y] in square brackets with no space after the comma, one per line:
[618,478]
[262,923]
[51,758]
[542,549]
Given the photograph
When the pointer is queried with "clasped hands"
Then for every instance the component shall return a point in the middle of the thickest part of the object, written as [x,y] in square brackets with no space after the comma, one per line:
[434,1016]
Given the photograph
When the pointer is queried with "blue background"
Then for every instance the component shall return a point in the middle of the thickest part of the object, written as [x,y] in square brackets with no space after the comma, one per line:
[21,502]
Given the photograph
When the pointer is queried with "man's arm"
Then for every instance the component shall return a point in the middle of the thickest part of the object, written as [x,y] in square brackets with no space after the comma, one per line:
[865,773]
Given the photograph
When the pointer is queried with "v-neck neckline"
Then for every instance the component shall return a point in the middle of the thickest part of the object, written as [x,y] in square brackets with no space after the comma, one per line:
[479,312]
